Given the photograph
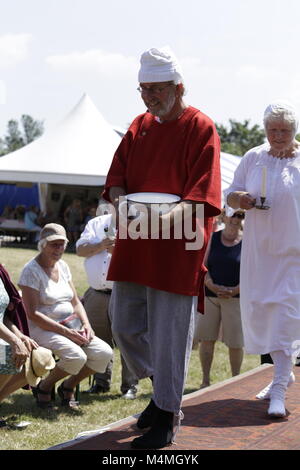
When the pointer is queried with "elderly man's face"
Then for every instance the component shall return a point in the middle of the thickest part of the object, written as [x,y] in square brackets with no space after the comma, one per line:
[159,98]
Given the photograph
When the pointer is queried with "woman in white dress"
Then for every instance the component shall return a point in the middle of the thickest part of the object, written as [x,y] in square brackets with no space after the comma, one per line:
[270,261]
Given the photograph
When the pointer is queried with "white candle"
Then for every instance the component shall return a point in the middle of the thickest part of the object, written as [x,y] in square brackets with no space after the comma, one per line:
[263,181]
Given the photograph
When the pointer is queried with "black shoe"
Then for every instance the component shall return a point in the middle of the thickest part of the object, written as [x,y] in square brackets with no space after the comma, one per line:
[160,435]
[97,389]
[147,417]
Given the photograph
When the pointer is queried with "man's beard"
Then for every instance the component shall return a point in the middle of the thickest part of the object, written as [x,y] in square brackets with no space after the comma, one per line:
[164,108]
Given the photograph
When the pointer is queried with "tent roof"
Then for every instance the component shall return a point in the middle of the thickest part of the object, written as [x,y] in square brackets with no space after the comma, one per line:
[228,166]
[77,151]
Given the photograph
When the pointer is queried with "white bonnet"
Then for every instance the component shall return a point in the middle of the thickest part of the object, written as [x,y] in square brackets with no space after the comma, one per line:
[159,65]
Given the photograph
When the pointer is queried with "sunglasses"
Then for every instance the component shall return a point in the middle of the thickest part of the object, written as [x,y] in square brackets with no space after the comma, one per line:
[238,216]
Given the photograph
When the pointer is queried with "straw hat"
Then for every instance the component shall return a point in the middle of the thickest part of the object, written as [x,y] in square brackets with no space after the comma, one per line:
[38,364]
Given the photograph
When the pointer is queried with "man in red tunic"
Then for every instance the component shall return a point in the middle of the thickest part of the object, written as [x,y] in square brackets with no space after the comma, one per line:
[172,148]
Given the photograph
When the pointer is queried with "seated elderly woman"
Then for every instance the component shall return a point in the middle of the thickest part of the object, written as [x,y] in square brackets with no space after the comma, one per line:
[50,299]
[15,344]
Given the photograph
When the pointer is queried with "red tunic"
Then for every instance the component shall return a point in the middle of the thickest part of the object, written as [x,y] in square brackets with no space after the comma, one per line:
[181,157]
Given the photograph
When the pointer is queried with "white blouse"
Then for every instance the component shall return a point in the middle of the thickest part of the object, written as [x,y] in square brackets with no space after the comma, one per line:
[55,297]
[270,260]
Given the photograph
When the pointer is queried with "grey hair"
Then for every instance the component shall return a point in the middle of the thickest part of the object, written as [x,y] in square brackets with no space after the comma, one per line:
[41,244]
[281,111]
[179,81]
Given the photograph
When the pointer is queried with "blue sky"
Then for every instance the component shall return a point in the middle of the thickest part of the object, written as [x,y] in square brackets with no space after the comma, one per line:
[237,55]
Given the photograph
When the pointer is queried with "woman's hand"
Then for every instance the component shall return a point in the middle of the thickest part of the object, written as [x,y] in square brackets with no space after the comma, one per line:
[224,292]
[19,353]
[87,332]
[29,343]
[247,201]
[241,200]
[221,291]
[78,337]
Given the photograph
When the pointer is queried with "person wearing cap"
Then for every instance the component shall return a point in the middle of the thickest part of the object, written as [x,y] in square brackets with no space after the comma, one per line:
[51,302]
[96,246]
[15,343]
[266,185]
[172,148]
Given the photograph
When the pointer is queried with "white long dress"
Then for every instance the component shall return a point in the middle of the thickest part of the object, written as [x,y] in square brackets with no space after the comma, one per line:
[270,260]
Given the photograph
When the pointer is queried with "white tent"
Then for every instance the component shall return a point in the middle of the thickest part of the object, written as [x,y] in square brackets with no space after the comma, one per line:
[228,166]
[78,151]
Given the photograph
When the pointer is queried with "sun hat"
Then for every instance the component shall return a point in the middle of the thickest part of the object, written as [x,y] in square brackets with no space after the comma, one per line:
[38,364]
[51,232]
[159,65]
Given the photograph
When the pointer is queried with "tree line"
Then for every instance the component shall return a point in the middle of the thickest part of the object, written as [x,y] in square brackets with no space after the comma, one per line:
[20,133]
[237,138]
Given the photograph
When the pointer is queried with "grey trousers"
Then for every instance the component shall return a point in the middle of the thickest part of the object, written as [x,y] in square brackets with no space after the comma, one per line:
[154,331]
[96,305]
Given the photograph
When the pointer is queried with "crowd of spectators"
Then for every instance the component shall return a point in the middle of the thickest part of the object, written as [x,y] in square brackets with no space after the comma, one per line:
[73,217]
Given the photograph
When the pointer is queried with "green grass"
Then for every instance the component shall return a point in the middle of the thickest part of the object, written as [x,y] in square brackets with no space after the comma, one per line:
[49,428]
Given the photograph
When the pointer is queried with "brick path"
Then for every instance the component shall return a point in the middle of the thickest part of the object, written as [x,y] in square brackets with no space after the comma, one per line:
[225,416]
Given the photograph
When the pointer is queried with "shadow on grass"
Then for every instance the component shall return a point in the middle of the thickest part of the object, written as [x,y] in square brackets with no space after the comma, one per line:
[24,404]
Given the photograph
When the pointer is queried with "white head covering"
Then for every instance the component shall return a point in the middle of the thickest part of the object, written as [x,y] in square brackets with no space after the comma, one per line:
[159,65]
[281,108]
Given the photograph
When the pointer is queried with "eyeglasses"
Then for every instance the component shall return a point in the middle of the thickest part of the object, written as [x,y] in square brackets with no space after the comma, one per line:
[238,216]
[153,90]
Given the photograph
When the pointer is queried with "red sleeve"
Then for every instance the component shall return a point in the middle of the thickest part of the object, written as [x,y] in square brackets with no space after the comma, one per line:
[204,181]
[117,173]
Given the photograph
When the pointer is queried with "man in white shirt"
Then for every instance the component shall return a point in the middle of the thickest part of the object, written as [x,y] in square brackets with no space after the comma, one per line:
[96,245]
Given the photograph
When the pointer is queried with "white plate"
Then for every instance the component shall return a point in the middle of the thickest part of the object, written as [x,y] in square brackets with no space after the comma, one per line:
[153,198]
